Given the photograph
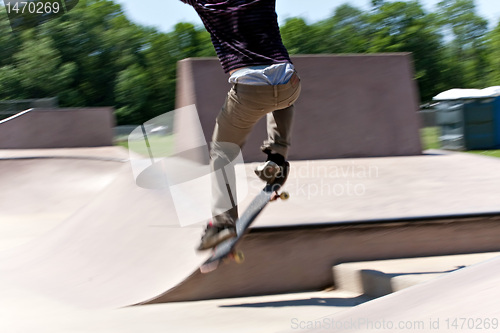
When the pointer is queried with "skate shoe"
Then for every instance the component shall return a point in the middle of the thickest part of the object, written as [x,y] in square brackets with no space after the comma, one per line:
[216,234]
[273,168]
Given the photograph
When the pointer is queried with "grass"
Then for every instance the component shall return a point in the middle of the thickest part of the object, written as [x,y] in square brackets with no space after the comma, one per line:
[491,153]
[161,146]
[430,140]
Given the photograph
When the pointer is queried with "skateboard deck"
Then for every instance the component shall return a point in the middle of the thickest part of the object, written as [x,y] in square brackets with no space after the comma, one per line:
[226,249]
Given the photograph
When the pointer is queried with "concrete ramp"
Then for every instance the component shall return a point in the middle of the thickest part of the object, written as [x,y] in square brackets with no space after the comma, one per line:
[126,246]
[405,207]
[53,187]
[40,189]
[463,301]
[122,248]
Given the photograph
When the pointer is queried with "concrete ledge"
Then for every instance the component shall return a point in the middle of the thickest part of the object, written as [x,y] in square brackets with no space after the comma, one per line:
[350,105]
[379,278]
[298,259]
[58,128]
[465,300]
[106,153]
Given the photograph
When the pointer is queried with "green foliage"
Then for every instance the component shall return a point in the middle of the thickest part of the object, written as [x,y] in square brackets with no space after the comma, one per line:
[131,91]
[94,56]
[490,153]
[300,38]
[450,47]
[493,56]
[347,31]
[467,51]
[429,137]
[406,27]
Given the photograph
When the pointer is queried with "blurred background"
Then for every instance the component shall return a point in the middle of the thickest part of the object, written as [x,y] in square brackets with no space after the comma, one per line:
[96,55]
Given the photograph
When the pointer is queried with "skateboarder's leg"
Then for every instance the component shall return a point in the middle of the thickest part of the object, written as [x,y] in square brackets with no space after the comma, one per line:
[279,122]
[239,114]
[279,126]
[243,108]
[279,130]
[233,125]
[224,200]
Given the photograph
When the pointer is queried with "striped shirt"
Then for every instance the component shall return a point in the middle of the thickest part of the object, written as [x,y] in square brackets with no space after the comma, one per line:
[244,32]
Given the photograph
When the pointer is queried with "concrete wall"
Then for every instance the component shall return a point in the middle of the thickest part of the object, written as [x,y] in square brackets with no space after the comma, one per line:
[301,259]
[58,128]
[350,106]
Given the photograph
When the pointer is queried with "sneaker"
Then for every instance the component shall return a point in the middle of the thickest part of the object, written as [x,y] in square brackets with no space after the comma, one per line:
[273,168]
[267,171]
[215,235]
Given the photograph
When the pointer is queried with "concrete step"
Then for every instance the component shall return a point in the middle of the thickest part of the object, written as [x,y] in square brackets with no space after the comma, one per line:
[382,277]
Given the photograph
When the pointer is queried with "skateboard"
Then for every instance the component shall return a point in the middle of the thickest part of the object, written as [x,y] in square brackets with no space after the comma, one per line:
[226,250]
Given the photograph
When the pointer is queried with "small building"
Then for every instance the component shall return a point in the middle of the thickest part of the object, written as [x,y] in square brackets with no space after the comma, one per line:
[469,119]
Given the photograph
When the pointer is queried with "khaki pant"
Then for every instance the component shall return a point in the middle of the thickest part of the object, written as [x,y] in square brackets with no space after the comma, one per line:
[245,105]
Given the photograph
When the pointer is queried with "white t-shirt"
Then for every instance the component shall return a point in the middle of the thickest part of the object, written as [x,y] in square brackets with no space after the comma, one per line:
[263,75]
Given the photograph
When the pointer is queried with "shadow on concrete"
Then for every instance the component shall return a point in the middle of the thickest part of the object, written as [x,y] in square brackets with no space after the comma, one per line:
[322,301]
[377,284]
[392,275]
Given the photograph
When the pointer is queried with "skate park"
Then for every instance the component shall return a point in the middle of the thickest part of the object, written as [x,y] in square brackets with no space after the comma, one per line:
[85,249]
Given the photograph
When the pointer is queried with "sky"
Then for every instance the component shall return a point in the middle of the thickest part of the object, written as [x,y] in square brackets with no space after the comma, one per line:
[164,14]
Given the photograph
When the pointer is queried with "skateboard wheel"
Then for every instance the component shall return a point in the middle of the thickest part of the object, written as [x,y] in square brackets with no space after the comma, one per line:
[239,257]
[284,195]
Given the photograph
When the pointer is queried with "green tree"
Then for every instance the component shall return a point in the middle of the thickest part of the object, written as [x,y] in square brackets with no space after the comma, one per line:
[300,38]
[94,56]
[9,42]
[31,68]
[467,53]
[10,83]
[345,32]
[38,63]
[188,41]
[406,27]
[132,91]
[494,59]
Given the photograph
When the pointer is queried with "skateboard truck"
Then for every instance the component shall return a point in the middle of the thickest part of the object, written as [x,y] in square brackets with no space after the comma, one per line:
[237,256]
[282,196]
